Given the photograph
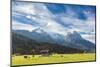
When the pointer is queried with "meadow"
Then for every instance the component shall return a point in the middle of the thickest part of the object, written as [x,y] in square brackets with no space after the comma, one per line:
[55,58]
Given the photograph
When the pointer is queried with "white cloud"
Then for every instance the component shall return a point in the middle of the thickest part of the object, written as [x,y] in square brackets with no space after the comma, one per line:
[23,8]
[20,26]
[40,14]
[87,26]
[91,38]
[53,26]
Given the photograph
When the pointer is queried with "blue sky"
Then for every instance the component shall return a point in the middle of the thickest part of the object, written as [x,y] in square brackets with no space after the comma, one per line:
[79,10]
[55,18]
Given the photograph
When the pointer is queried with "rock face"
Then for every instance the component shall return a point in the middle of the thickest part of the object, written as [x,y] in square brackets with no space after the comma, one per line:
[79,43]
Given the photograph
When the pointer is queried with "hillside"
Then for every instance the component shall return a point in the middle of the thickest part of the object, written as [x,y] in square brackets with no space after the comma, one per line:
[25,45]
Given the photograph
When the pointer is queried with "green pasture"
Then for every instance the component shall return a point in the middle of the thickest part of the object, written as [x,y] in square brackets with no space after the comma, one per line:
[55,58]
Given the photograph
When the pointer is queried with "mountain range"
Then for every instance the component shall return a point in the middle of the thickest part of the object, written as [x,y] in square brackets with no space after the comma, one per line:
[24,42]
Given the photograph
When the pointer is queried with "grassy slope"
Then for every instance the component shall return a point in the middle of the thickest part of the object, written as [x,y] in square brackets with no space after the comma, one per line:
[20,60]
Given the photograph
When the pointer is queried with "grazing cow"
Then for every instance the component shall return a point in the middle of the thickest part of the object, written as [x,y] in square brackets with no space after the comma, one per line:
[25,57]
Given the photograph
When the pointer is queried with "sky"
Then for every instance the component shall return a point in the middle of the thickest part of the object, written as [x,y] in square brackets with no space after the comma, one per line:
[55,18]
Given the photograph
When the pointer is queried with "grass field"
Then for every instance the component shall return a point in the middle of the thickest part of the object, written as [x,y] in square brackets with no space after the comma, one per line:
[55,58]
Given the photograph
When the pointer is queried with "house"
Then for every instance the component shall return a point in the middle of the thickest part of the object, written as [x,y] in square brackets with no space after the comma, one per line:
[45,52]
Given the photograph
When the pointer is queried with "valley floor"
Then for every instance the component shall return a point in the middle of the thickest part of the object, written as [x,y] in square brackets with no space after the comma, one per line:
[55,58]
